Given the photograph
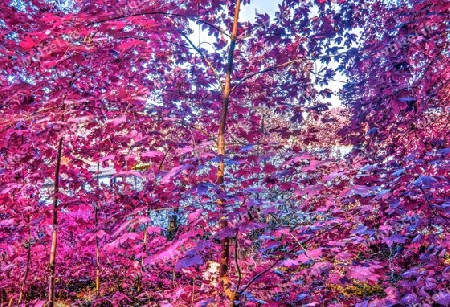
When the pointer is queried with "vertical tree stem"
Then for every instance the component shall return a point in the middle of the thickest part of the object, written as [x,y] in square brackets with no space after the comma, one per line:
[224,280]
[27,269]
[52,263]
[97,250]
[97,255]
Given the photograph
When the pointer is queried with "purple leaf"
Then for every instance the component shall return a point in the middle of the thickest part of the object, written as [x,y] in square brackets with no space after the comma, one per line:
[407,99]
[188,261]
[394,239]
[173,172]
[425,182]
[194,215]
[409,299]
[442,298]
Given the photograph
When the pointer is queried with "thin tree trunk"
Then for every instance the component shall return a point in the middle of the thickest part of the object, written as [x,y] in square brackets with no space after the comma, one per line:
[224,279]
[27,269]
[97,256]
[173,224]
[28,246]
[52,263]
[97,250]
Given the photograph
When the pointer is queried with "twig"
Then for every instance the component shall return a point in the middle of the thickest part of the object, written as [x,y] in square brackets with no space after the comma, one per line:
[197,49]
[237,264]
[262,72]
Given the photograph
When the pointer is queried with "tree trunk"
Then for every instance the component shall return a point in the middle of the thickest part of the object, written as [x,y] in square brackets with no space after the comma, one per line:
[97,249]
[173,224]
[52,263]
[224,279]
[27,269]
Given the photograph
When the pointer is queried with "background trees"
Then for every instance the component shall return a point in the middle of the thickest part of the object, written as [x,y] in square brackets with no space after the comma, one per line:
[124,85]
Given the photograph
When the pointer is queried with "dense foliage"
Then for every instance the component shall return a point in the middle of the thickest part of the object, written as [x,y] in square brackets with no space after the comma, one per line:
[116,189]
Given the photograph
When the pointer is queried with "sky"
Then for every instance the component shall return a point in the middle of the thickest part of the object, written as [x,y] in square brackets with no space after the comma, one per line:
[247,14]
[262,6]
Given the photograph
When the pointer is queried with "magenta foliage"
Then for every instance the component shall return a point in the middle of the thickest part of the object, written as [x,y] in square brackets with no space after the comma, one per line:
[136,101]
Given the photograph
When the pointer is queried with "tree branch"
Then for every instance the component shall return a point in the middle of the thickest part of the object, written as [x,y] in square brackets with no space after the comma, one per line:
[197,49]
[237,264]
[262,72]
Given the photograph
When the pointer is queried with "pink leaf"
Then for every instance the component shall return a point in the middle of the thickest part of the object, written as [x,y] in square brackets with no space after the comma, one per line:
[40,303]
[194,215]
[151,154]
[169,252]
[321,268]
[108,157]
[363,273]
[28,43]
[153,229]
[315,253]
[8,222]
[118,120]
[131,44]
[289,262]
[303,258]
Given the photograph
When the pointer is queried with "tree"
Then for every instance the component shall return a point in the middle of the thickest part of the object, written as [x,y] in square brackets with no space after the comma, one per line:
[123,87]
